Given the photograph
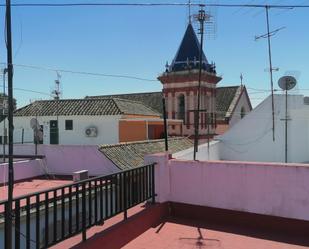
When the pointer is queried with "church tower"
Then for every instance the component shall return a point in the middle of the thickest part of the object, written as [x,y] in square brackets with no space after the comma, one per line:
[180,87]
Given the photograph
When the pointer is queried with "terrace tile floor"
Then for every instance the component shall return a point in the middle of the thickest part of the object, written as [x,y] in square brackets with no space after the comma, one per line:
[188,234]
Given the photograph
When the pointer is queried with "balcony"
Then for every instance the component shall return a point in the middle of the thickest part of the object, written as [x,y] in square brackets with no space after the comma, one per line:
[199,204]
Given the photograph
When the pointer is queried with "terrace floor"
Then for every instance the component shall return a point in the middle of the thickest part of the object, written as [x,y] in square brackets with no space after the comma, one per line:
[188,234]
[32,185]
[153,227]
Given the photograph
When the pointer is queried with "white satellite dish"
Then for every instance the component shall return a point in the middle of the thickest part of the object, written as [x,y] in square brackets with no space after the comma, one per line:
[287,82]
[34,123]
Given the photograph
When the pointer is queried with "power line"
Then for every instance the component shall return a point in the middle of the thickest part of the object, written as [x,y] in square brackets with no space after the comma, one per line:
[83,4]
[83,72]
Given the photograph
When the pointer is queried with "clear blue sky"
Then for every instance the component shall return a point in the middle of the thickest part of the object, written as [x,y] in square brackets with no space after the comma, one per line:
[138,41]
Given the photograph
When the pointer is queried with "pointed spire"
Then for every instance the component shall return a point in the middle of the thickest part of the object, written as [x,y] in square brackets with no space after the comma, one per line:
[187,53]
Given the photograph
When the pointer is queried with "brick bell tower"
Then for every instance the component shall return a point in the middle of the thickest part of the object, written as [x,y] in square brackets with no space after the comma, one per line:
[180,87]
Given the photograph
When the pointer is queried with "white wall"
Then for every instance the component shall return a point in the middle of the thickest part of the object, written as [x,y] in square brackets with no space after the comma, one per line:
[251,138]
[202,154]
[108,129]
[243,102]
[264,188]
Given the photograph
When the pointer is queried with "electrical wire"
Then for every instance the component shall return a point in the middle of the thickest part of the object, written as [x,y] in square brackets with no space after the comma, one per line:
[89,4]
[57,70]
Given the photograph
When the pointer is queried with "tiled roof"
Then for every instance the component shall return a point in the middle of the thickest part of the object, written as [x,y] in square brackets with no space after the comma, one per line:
[131,154]
[226,99]
[150,99]
[188,53]
[65,107]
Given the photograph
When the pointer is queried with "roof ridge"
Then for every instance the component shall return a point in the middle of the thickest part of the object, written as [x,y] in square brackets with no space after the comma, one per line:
[119,94]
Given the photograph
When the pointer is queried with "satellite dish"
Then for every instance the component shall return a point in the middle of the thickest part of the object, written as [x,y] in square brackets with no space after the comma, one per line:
[34,124]
[287,82]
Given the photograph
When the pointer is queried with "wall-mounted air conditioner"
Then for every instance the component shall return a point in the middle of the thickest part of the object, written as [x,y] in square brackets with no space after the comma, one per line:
[91,132]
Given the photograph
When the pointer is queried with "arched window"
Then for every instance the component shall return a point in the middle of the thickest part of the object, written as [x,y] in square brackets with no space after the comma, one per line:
[242,112]
[181,107]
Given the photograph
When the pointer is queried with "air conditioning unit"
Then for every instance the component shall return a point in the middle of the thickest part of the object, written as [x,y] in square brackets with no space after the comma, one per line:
[80,175]
[91,132]
[306,100]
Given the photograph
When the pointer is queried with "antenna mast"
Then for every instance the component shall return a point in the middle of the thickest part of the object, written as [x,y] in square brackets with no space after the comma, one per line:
[201,19]
[189,9]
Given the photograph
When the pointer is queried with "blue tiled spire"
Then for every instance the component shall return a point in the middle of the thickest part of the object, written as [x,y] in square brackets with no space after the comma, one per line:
[187,56]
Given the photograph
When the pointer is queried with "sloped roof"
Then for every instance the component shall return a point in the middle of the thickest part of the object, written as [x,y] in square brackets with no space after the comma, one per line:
[130,155]
[65,107]
[150,99]
[226,99]
[188,53]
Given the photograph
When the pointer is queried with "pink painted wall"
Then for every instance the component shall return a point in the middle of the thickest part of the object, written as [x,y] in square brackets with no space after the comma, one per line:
[22,170]
[264,188]
[66,159]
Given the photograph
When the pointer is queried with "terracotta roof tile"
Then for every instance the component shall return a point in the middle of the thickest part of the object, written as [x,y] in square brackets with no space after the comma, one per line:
[131,154]
[65,107]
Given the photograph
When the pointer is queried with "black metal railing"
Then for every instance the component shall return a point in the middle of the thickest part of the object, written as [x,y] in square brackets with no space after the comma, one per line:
[44,218]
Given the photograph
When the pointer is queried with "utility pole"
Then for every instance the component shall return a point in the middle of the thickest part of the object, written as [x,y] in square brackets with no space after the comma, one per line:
[8,211]
[201,19]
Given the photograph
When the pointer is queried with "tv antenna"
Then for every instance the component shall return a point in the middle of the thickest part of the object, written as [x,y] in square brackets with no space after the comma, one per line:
[56,92]
[210,21]
[268,35]
[286,83]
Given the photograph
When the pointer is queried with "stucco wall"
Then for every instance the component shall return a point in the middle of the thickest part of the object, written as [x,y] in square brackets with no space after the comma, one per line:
[107,127]
[22,170]
[263,188]
[242,103]
[251,138]
[203,152]
[66,159]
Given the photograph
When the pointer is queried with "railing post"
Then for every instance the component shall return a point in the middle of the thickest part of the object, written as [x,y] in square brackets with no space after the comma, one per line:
[8,240]
[125,198]
[84,235]
[153,194]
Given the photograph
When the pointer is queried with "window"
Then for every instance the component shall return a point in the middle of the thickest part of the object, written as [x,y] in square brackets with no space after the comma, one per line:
[69,125]
[181,107]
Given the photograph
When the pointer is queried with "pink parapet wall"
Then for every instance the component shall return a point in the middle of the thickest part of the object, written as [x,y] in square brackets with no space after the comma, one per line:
[22,170]
[66,159]
[275,189]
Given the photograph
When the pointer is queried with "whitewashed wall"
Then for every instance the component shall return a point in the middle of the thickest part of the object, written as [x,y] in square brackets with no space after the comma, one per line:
[243,102]
[108,129]
[251,138]
[203,152]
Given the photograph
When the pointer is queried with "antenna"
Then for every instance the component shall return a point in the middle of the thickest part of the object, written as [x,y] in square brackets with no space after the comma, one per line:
[241,78]
[210,22]
[268,35]
[286,83]
[189,11]
[57,93]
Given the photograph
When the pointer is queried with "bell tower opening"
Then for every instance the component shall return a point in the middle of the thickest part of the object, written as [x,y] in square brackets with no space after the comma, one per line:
[181,107]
